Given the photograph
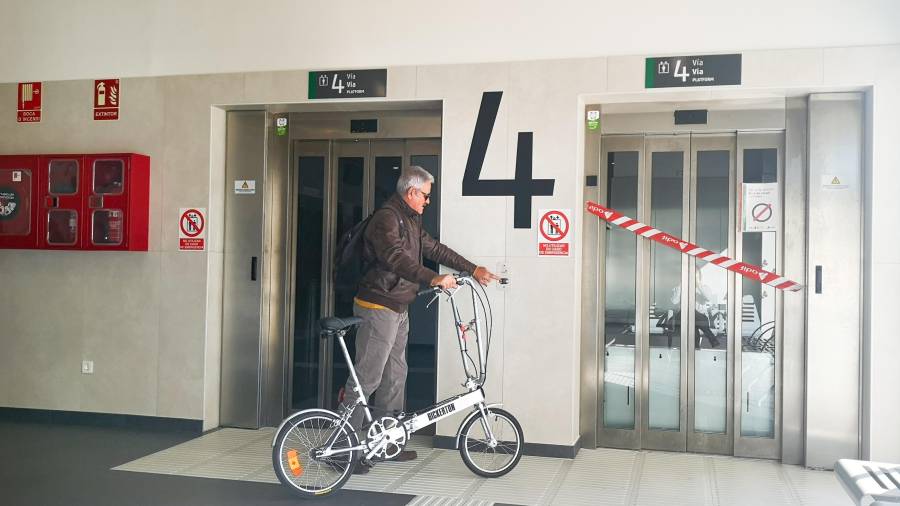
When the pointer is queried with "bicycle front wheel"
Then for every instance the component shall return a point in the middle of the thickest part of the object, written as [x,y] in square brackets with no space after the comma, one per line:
[487,457]
[297,458]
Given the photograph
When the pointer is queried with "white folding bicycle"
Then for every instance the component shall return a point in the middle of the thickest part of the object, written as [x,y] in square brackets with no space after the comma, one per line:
[315,451]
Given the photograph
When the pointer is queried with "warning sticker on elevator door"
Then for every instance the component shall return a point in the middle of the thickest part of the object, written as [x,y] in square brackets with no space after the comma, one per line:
[759,202]
[244,186]
[834,182]
[553,232]
[192,229]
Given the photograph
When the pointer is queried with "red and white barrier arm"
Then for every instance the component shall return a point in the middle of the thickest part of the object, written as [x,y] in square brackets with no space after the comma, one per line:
[744,269]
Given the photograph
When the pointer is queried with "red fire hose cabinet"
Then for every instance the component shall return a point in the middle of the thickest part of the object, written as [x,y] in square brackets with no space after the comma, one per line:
[75,202]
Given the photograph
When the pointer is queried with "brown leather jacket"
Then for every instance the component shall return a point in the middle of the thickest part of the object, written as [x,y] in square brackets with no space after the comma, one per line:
[397,271]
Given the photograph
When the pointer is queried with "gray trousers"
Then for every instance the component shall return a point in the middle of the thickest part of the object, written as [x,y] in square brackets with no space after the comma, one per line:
[380,361]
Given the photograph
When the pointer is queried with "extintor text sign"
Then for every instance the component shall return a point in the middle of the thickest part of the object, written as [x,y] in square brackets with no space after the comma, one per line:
[107,97]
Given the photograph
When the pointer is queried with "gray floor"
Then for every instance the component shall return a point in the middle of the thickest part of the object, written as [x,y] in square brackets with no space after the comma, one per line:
[43,465]
[601,476]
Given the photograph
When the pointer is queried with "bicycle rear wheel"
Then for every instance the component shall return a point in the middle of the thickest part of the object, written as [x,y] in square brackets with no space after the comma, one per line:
[296,460]
[487,459]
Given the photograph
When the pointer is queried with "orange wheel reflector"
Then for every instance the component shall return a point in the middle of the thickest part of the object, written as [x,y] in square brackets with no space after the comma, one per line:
[294,462]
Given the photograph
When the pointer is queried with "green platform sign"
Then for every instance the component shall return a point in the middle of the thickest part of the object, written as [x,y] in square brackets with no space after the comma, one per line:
[347,83]
[690,71]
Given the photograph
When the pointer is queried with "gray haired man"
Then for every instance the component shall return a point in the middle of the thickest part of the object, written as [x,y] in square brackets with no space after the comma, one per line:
[396,242]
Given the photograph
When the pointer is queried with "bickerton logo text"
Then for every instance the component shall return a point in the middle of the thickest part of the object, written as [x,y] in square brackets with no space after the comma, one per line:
[441,411]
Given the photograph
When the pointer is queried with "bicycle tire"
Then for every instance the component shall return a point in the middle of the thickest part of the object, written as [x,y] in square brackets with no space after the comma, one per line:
[303,434]
[473,449]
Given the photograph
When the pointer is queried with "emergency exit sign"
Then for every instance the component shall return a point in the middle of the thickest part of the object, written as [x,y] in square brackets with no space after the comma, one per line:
[348,83]
[689,71]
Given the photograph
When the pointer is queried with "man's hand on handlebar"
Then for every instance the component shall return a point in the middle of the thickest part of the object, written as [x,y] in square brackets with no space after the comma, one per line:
[448,281]
[484,276]
[445,281]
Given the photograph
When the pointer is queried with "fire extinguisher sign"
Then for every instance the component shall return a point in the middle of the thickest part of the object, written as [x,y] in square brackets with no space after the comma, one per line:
[107,97]
[192,229]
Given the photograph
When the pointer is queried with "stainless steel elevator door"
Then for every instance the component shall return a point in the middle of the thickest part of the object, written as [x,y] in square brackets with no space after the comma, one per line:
[834,296]
[758,315]
[241,355]
[667,209]
[668,365]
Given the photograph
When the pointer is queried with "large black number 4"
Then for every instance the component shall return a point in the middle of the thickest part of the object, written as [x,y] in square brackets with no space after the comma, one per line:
[523,187]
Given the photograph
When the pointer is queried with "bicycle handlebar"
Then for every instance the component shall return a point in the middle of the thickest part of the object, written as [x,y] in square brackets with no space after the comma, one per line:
[430,289]
[457,276]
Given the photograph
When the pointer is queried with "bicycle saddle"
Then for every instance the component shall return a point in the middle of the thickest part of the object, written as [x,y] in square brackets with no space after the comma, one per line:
[333,324]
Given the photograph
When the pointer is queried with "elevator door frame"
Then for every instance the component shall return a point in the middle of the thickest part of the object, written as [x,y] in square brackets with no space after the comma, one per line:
[332,150]
[667,440]
[749,446]
[641,437]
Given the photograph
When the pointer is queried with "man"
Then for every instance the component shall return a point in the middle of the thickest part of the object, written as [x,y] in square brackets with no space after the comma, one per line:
[395,243]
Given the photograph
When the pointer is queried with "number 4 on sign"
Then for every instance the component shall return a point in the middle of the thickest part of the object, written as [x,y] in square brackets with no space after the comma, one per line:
[337,84]
[681,71]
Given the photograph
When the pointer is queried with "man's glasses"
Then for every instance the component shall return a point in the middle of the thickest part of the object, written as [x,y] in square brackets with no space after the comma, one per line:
[426,195]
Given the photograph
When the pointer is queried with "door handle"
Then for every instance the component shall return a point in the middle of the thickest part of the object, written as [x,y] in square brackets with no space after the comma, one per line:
[818,279]
[253,262]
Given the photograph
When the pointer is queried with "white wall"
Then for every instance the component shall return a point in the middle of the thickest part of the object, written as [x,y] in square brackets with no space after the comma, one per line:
[141,317]
[61,39]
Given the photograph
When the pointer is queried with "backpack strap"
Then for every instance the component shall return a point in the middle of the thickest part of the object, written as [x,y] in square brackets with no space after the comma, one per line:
[399,218]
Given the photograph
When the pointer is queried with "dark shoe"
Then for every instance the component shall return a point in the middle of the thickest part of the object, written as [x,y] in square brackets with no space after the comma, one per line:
[361,468]
[405,456]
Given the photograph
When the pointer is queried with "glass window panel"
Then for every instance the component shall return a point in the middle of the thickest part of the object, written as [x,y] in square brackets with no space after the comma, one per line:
[15,202]
[423,322]
[758,312]
[387,171]
[666,206]
[109,177]
[351,174]
[430,220]
[308,282]
[106,227]
[620,301]
[711,294]
[62,226]
[63,176]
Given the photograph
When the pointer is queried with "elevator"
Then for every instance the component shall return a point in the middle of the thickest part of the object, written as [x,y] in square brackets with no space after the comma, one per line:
[326,171]
[689,356]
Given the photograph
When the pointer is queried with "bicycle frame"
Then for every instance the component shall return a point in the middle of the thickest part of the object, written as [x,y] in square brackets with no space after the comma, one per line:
[413,422]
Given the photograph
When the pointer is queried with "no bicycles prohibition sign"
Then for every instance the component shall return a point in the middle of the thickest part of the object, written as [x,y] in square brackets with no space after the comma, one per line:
[554,230]
[192,229]
[762,212]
